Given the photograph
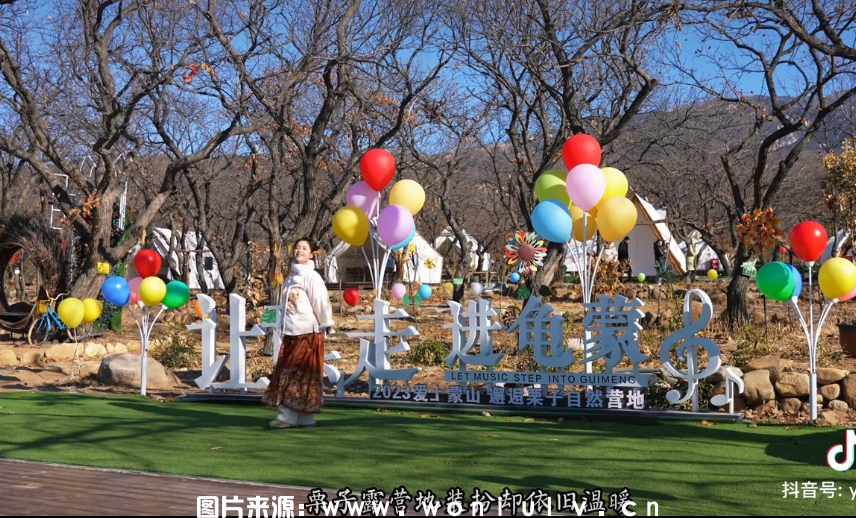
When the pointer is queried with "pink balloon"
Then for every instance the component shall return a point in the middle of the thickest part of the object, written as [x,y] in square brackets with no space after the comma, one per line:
[586,184]
[135,289]
[394,224]
[362,196]
[398,291]
[848,296]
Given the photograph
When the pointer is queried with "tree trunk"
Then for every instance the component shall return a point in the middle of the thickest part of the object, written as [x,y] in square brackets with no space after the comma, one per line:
[737,312]
[546,276]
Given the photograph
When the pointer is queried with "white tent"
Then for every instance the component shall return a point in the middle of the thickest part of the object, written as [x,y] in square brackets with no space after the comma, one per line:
[649,227]
[447,238]
[704,253]
[349,261]
[844,242]
[159,240]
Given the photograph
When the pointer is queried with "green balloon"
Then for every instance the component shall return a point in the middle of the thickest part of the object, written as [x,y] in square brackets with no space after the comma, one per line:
[551,186]
[775,280]
[177,294]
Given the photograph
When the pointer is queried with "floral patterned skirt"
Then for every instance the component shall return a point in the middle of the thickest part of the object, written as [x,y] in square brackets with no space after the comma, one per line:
[298,380]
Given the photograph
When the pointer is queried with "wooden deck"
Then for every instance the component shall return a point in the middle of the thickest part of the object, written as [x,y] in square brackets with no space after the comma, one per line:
[41,489]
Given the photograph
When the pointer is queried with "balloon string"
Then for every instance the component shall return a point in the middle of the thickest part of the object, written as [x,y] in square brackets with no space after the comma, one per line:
[596,265]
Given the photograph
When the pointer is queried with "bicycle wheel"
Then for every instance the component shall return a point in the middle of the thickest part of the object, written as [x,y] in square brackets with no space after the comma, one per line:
[38,333]
[82,332]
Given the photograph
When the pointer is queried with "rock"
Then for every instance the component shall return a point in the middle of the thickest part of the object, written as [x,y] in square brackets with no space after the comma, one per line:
[771,405]
[848,390]
[630,293]
[111,349]
[124,370]
[832,417]
[121,349]
[758,318]
[31,357]
[828,376]
[60,352]
[830,392]
[8,358]
[94,350]
[758,387]
[840,406]
[791,405]
[719,299]
[793,384]
[806,408]
[648,320]
[775,365]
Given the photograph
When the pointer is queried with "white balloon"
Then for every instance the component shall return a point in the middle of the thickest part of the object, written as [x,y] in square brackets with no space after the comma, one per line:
[476,288]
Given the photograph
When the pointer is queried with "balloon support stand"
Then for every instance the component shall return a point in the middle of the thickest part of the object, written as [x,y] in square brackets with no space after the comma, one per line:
[812,335]
[145,326]
[580,253]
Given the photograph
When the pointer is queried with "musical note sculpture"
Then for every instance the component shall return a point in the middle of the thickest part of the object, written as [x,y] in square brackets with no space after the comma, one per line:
[731,379]
[688,350]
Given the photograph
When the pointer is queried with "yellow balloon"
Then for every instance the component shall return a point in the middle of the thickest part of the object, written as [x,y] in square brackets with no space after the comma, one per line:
[593,212]
[577,219]
[351,225]
[408,194]
[712,274]
[617,219]
[152,291]
[616,185]
[70,311]
[837,277]
[91,310]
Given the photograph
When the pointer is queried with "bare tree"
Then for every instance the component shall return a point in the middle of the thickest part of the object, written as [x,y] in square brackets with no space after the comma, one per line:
[552,69]
[111,87]
[801,87]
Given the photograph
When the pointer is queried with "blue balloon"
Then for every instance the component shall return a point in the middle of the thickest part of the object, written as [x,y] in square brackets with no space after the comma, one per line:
[116,291]
[553,221]
[406,241]
[560,205]
[515,277]
[425,292]
[797,281]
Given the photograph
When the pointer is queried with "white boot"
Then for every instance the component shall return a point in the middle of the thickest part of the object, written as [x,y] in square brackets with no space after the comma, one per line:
[305,420]
[286,418]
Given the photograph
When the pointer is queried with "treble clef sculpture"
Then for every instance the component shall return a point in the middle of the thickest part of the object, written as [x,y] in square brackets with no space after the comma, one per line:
[688,350]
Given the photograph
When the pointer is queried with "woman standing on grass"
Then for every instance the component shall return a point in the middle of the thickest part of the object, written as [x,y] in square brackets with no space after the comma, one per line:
[297,387]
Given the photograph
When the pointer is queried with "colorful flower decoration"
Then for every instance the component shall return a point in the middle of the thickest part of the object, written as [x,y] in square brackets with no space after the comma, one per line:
[759,231]
[525,252]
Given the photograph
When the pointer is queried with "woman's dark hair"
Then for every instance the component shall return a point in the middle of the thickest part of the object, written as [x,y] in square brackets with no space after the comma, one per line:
[313,246]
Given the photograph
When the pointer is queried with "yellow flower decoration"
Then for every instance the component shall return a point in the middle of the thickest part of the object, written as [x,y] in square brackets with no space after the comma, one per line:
[429,263]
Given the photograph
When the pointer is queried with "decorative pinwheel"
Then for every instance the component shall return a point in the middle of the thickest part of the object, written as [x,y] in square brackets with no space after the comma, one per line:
[525,252]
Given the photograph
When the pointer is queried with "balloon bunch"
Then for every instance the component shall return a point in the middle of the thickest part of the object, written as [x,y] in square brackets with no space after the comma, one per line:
[783,282]
[363,220]
[145,291]
[74,312]
[585,200]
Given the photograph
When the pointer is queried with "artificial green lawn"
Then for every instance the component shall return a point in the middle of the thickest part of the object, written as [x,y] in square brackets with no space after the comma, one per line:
[688,468]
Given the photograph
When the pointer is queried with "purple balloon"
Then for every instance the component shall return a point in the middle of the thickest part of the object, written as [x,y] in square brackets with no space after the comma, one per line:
[362,196]
[394,224]
[586,185]
[399,291]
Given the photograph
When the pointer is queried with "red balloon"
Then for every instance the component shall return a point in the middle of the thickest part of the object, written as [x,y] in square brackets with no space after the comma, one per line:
[783,250]
[581,149]
[147,263]
[808,239]
[351,296]
[377,168]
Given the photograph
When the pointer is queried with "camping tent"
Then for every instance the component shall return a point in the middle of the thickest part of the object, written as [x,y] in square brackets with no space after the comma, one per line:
[649,227]
[704,253]
[159,241]
[350,261]
[447,238]
[845,241]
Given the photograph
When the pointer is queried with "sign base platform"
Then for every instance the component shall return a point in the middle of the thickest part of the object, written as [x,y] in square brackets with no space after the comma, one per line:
[519,410]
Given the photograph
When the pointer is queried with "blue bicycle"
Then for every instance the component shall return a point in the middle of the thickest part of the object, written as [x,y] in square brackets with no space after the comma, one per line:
[48,325]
